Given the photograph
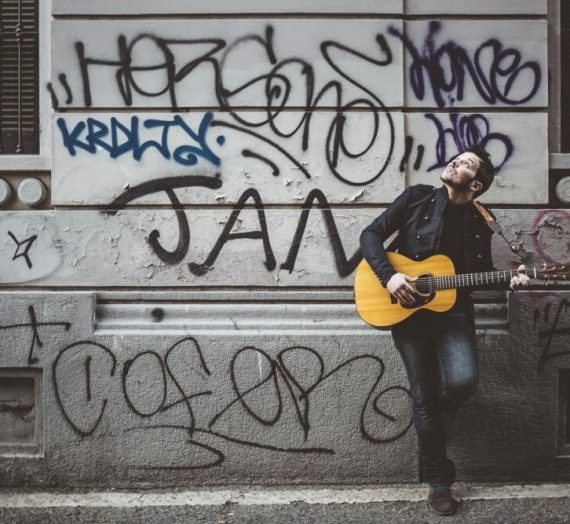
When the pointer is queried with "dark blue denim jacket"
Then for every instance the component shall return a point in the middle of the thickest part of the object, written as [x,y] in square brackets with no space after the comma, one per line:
[418,215]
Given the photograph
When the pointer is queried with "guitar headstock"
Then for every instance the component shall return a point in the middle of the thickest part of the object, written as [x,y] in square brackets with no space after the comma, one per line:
[554,272]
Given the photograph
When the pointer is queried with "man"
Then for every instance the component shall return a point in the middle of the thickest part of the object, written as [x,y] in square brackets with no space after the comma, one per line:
[438,349]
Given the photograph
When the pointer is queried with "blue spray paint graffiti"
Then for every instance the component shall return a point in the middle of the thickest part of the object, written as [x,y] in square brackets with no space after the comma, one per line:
[118,139]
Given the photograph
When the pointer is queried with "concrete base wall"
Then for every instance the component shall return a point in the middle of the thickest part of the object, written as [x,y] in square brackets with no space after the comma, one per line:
[133,392]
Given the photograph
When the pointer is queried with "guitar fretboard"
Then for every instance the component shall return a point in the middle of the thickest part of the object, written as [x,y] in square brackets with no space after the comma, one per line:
[472,279]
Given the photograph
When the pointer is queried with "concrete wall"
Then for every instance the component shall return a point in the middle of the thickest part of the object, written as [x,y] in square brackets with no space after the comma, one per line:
[182,311]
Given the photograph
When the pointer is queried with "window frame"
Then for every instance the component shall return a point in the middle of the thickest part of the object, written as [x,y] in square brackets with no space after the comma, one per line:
[40,161]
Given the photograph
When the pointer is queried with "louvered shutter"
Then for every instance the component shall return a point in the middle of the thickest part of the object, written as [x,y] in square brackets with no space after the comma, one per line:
[565,71]
[19,76]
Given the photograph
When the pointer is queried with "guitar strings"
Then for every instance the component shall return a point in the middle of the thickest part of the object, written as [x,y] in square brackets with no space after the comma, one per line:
[429,284]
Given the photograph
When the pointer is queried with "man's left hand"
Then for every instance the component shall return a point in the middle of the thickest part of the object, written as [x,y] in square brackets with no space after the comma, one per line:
[521,280]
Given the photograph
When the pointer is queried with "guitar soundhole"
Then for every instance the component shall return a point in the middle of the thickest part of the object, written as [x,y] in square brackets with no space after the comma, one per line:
[424,285]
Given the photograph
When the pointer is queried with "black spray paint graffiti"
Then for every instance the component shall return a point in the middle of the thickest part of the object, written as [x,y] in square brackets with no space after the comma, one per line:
[227,235]
[291,381]
[33,325]
[344,265]
[546,336]
[167,185]
[446,68]
[276,87]
[23,248]
[409,144]
[279,89]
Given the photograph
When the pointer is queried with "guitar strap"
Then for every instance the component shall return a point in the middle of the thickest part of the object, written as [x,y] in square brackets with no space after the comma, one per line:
[491,222]
[495,226]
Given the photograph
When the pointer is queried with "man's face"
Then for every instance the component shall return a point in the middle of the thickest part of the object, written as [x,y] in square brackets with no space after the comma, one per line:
[461,171]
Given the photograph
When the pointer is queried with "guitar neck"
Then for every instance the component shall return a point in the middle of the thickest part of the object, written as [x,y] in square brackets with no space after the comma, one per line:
[477,279]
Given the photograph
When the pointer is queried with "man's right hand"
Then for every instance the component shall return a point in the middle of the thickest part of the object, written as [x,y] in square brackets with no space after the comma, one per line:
[399,287]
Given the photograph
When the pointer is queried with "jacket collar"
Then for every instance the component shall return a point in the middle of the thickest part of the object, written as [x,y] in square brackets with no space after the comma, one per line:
[442,198]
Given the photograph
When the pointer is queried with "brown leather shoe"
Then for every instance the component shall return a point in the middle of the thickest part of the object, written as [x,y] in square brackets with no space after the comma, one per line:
[441,502]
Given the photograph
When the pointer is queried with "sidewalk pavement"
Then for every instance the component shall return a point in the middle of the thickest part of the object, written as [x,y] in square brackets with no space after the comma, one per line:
[535,503]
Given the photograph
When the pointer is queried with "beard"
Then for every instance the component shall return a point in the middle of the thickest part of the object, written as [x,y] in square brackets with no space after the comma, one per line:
[460,186]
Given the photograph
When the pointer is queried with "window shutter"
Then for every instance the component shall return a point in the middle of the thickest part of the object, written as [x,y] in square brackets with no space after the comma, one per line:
[19,76]
[565,74]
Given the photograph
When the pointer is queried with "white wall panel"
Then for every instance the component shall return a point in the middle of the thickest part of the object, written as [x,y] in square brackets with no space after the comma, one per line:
[466,63]
[31,247]
[98,156]
[189,7]
[90,248]
[181,7]
[213,63]
[517,143]
[468,8]
[256,157]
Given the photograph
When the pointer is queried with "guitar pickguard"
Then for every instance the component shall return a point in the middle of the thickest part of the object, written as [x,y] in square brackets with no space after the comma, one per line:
[420,299]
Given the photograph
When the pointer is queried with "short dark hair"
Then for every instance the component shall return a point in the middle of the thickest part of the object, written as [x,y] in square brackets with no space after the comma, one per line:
[486,172]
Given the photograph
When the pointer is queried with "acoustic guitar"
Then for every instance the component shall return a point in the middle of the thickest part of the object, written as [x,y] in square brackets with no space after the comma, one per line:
[435,288]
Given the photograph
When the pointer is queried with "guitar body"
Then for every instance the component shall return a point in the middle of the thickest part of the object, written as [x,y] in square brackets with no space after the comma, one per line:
[378,308]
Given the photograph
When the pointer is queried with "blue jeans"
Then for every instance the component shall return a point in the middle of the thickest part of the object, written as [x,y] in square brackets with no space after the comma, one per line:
[440,355]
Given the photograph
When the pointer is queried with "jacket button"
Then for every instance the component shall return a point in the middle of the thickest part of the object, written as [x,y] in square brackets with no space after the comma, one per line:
[418,237]
[474,215]
[417,256]
[426,218]
[477,236]
[479,256]
[432,200]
